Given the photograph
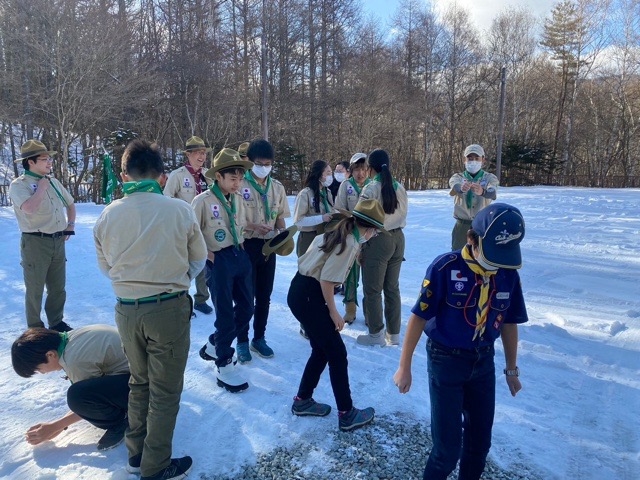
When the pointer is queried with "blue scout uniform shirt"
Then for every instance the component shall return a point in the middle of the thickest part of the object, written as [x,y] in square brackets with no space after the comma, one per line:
[448,299]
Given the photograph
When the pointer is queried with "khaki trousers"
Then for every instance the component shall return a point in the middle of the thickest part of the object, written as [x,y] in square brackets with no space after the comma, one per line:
[202,291]
[156,341]
[43,264]
[459,234]
[382,258]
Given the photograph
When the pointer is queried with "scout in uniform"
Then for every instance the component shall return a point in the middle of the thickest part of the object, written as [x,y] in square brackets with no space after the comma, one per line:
[185,183]
[40,203]
[266,206]
[472,190]
[221,214]
[151,247]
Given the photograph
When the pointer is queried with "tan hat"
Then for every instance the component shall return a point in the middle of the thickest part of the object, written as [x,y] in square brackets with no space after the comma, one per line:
[226,158]
[195,143]
[368,210]
[357,157]
[33,148]
[282,244]
[243,149]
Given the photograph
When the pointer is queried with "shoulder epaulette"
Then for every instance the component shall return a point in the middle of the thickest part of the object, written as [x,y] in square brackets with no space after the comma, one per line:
[444,260]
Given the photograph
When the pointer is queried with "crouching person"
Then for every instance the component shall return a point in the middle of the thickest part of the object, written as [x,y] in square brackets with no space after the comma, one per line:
[93,360]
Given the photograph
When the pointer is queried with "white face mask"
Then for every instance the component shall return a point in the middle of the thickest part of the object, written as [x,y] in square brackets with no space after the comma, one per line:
[473,166]
[340,177]
[328,181]
[261,171]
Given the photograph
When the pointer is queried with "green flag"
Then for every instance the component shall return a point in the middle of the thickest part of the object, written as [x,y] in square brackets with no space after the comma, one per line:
[109,180]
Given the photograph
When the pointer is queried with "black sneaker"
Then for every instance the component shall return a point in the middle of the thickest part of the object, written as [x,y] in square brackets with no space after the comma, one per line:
[203,307]
[134,464]
[113,436]
[61,327]
[178,468]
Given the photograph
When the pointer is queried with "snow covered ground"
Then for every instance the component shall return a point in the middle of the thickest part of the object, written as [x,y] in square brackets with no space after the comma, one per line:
[577,416]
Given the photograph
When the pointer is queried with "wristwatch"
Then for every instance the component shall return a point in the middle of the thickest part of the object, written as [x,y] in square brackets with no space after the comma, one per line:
[512,373]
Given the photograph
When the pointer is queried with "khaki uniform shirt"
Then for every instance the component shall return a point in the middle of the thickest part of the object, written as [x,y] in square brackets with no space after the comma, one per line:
[214,221]
[347,197]
[460,210]
[329,267]
[51,214]
[145,242]
[254,206]
[397,219]
[182,185]
[304,207]
[93,351]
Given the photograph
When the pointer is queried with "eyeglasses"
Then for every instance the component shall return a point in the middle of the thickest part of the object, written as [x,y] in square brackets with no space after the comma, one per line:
[48,159]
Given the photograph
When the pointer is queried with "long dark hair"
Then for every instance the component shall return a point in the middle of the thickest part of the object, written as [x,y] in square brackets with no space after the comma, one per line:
[313,181]
[339,234]
[380,162]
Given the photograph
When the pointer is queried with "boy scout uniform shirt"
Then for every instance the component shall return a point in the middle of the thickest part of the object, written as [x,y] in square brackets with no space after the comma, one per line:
[51,214]
[329,267]
[448,302]
[460,210]
[397,219]
[93,351]
[145,242]
[305,207]
[347,197]
[182,185]
[254,205]
[214,221]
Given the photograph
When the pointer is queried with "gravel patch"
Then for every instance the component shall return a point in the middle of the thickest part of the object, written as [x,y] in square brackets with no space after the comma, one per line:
[388,449]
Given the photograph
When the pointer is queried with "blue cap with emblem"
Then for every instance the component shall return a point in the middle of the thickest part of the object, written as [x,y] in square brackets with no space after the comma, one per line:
[500,228]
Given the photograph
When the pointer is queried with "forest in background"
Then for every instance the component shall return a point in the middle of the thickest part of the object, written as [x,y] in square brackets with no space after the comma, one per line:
[322,80]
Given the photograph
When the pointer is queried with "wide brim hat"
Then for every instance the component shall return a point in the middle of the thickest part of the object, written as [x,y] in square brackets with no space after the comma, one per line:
[368,210]
[500,229]
[227,158]
[196,143]
[243,149]
[33,148]
[282,244]
[335,219]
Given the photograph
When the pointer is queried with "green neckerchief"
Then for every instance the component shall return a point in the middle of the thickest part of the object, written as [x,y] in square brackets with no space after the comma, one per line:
[229,207]
[353,182]
[325,202]
[29,173]
[263,192]
[472,178]
[142,186]
[395,182]
[64,339]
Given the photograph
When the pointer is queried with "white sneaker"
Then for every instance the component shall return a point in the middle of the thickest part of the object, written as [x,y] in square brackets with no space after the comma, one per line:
[229,378]
[372,339]
[393,338]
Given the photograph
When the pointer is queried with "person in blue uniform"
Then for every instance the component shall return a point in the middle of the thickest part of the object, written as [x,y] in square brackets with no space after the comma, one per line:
[469,298]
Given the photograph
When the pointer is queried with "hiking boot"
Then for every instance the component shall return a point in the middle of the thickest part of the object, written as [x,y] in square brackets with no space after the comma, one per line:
[309,408]
[134,464]
[393,338]
[372,339]
[355,418]
[61,327]
[303,333]
[244,355]
[205,352]
[113,436]
[261,348]
[350,312]
[177,469]
[203,307]
[228,378]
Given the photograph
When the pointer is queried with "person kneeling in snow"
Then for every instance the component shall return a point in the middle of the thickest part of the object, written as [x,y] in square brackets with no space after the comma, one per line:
[93,360]
[469,298]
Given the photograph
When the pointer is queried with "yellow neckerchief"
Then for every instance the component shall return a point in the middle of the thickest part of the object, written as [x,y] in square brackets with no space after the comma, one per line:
[483,302]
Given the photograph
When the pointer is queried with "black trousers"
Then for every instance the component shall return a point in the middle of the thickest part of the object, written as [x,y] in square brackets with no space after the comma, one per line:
[101,401]
[264,271]
[308,306]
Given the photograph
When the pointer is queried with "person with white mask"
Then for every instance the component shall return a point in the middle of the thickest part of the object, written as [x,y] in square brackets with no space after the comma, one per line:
[266,206]
[472,190]
[340,174]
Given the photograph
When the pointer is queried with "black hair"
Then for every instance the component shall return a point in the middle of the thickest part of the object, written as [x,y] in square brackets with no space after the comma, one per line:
[141,160]
[260,149]
[360,163]
[313,181]
[345,164]
[380,162]
[473,238]
[30,350]
[25,162]
[232,171]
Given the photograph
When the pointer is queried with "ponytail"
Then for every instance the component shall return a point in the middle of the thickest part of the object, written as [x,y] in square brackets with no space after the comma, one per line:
[379,161]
